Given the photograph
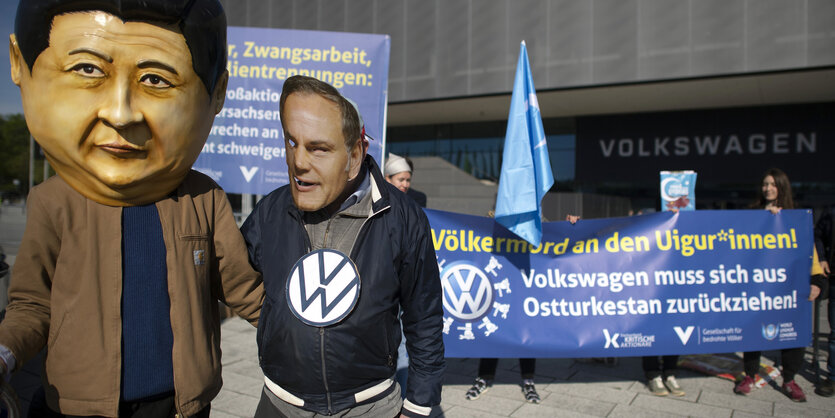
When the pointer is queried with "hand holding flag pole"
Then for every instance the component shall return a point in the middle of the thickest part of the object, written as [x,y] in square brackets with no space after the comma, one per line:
[526,169]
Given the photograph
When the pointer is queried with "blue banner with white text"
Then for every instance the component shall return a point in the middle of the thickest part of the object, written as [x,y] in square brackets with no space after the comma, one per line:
[245,149]
[663,283]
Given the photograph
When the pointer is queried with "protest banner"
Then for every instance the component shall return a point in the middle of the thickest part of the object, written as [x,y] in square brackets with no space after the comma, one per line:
[245,149]
[663,283]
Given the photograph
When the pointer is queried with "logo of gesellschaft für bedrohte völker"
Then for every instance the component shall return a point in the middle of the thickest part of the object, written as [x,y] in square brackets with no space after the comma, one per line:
[472,298]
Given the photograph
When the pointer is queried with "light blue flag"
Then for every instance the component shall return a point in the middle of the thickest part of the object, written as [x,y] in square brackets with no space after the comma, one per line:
[526,169]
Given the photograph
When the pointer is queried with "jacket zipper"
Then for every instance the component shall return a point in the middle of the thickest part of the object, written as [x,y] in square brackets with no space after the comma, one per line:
[324,368]
[389,357]
[327,231]
[321,330]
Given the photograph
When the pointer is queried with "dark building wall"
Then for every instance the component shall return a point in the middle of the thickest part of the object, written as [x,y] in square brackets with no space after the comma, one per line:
[452,48]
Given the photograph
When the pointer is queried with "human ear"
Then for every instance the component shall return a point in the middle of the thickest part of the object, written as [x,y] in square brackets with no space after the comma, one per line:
[219,95]
[16,60]
[355,160]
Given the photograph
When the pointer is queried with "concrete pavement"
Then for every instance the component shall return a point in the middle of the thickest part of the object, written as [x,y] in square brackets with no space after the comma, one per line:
[568,387]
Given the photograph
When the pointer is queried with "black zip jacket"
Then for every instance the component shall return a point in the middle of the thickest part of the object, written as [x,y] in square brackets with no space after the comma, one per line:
[326,366]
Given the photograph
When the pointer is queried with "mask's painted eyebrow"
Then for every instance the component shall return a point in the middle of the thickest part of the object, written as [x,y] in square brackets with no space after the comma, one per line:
[290,137]
[157,64]
[99,54]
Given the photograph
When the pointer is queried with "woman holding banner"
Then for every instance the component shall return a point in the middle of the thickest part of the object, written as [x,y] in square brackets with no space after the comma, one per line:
[776,194]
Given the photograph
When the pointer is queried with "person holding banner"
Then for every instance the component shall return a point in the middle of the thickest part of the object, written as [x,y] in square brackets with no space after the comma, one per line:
[825,244]
[343,254]
[487,372]
[398,172]
[661,375]
[775,195]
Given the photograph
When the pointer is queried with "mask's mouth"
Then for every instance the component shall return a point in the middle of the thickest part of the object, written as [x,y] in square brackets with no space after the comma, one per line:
[302,183]
[122,150]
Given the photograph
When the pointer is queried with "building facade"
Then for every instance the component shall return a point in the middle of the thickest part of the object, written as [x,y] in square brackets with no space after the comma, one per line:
[627,88]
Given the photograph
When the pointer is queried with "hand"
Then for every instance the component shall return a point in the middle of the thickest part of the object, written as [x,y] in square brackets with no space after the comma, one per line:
[814,291]
[572,218]
[773,209]
[825,267]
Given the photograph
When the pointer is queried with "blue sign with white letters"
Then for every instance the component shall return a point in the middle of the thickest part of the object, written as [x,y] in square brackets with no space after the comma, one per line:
[245,149]
[663,283]
[678,190]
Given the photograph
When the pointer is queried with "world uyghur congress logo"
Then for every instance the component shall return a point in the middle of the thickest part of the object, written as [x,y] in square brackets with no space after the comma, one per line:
[770,331]
[471,298]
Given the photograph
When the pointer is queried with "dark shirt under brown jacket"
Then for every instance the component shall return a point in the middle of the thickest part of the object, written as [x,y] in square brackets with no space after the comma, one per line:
[66,286]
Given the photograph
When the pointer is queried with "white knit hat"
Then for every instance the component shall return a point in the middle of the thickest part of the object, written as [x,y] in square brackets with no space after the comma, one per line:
[396,164]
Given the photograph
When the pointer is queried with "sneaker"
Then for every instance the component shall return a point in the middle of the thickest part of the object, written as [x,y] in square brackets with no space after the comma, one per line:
[826,388]
[673,386]
[744,386]
[529,390]
[656,386]
[793,391]
[479,387]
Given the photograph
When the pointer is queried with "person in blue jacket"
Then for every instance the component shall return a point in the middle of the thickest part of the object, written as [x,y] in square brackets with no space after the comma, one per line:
[342,252]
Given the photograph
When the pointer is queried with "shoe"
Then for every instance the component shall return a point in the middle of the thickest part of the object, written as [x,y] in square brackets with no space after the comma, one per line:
[826,389]
[673,386]
[793,391]
[656,386]
[479,387]
[529,390]
[744,386]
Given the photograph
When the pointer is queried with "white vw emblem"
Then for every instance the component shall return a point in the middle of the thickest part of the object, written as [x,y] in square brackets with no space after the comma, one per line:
[468,294]
[323,287]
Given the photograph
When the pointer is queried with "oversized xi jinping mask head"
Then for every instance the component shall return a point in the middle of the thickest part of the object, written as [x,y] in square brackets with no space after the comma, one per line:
[121,95]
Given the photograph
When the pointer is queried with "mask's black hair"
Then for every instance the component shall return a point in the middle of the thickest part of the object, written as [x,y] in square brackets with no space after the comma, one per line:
[202,22]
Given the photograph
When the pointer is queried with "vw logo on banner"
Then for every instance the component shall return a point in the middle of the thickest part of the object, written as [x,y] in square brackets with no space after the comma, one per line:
[468,293]
[323,287]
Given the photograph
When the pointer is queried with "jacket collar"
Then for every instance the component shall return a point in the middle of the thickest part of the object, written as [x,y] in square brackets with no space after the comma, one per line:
[379,192]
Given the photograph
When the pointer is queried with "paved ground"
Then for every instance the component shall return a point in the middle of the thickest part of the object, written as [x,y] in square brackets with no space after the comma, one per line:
[569,387]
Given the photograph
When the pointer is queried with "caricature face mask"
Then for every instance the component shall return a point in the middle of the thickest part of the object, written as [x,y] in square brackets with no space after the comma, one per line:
[116,106]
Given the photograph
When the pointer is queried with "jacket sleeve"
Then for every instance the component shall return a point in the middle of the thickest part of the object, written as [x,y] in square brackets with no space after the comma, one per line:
[421,302]
[818,279]
[241,286]
[823,235]
[25,328]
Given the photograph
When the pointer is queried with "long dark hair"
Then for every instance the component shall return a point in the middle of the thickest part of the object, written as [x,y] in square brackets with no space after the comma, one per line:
[784,190]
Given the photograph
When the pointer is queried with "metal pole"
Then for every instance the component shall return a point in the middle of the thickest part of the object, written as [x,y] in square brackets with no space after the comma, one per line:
[31,163]
[815,336]
[45,169]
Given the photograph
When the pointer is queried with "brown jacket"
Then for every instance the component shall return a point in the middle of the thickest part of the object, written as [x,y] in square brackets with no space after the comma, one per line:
[66,289]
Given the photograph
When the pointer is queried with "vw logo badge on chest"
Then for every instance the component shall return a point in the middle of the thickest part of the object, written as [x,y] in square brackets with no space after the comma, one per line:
[323,287]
